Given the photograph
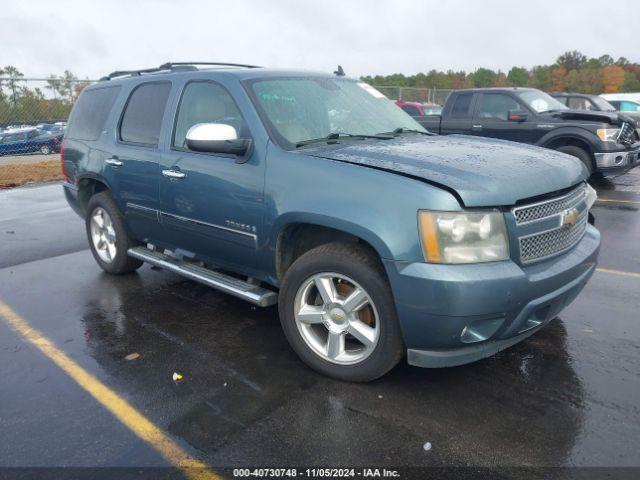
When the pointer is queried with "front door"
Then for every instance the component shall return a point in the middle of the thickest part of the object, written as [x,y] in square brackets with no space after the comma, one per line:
[211,206]
[492,118]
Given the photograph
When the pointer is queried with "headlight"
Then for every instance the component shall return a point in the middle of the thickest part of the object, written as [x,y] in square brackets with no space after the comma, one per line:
[608,134]
[592,196]
[463,237]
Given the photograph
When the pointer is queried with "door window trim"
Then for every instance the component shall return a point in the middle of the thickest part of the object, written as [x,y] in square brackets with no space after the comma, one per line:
[154,146]
[173,148]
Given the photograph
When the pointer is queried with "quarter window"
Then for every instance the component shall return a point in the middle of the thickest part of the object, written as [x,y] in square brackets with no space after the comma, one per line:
[90,113]
[497,106]
[142,118]
[206,102]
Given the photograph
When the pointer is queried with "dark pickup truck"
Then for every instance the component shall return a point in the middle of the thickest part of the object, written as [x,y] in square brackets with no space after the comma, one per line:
[606,142]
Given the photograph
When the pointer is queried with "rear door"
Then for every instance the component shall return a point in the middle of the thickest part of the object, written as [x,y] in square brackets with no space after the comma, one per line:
[491,118]
[132,162]
[456,118]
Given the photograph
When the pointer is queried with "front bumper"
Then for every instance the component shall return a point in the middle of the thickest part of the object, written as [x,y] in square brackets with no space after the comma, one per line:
[617,161]
[456,314]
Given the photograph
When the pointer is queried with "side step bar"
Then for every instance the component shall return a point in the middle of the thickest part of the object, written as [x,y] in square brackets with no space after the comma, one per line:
[238,288]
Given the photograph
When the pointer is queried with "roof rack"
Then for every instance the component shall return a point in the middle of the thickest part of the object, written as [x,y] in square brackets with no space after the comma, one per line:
[172,66]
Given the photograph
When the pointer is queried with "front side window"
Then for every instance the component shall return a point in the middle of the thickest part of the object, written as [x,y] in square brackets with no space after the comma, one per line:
[497,106]
[580,103]
[305,108]
[142,118]
[205,102]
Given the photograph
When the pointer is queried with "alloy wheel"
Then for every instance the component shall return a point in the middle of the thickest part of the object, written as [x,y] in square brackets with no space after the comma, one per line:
[336,318]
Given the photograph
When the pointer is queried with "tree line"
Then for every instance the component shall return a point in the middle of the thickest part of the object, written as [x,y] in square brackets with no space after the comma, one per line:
[571,72]
[22,102]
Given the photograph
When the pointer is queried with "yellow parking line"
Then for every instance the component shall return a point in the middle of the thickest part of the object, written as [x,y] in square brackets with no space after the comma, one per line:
[120,408]
[616,201]
[618,272]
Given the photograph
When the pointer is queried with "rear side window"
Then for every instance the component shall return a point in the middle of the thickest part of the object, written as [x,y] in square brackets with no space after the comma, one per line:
[90,113]
[461,106]
[142,118]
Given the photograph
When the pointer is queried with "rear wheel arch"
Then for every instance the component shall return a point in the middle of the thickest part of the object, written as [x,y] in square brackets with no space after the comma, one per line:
[87,188]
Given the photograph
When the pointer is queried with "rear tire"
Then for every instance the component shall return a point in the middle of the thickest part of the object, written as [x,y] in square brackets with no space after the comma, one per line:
[579,153]
[45,150]
[371,342]
[108,238]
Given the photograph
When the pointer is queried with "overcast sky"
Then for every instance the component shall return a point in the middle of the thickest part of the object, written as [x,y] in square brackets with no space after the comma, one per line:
[92,37]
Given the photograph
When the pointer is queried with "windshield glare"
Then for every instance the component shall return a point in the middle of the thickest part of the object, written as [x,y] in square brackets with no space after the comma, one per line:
[540,101]
[300,109]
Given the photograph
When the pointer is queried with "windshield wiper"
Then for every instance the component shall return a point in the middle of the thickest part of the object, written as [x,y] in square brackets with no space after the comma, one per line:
[401,130]
[332,137]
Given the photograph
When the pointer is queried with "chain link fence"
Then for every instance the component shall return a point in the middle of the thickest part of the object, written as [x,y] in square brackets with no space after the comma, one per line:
[414,94]
[33,118]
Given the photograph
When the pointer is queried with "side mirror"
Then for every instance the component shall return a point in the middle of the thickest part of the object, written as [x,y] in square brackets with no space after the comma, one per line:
[216,138]
[517,115]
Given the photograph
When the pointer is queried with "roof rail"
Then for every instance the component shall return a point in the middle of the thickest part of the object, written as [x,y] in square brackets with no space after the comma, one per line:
[171,66]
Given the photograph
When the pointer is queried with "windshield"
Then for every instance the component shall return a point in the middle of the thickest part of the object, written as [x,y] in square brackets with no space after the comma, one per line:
[540,101]
[602,104]
[300,109]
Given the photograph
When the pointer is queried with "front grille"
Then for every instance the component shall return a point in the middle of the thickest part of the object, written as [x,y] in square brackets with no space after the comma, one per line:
[541,245]
[550,227]
[548,208]
[627,134]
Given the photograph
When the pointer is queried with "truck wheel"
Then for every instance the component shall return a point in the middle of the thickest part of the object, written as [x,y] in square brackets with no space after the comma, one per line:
[45,150]
[580,153]
[338,313]
[108,238]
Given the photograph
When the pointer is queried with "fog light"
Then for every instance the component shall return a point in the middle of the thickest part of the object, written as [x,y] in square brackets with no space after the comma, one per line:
[480,330]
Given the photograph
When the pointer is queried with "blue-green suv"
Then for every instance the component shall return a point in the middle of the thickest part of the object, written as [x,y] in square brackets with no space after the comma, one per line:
[315,192]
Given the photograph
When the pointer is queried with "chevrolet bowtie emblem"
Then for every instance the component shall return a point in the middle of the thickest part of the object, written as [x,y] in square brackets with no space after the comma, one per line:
[570,217]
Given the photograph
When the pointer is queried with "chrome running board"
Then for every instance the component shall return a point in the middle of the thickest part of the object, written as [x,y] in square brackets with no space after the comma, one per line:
[262,297]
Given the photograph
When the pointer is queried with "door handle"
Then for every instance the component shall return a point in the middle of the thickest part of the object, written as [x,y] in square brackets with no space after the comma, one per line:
[476,127]
[173,174]
[113,161]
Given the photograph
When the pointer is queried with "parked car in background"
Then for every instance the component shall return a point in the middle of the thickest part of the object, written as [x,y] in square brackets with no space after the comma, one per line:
[419,111]
[605,142]
[316,192]
[595,103]
[28,141]
[624,102]
[52,129]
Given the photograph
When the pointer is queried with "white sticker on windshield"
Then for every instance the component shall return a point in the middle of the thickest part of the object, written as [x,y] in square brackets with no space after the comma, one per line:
[369,89]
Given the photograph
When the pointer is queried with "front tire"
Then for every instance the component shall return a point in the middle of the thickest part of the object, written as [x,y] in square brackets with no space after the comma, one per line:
[45,150]
[338,313]
[580,153]
[108,238]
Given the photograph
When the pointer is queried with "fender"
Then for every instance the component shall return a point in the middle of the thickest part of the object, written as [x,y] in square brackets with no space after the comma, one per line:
[335,223]
[575,133]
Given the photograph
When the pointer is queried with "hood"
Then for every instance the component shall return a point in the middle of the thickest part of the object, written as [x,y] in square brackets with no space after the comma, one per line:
[482,171]
[613,118]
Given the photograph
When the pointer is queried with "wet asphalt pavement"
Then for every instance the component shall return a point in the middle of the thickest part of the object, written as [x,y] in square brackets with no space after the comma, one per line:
[567,396]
